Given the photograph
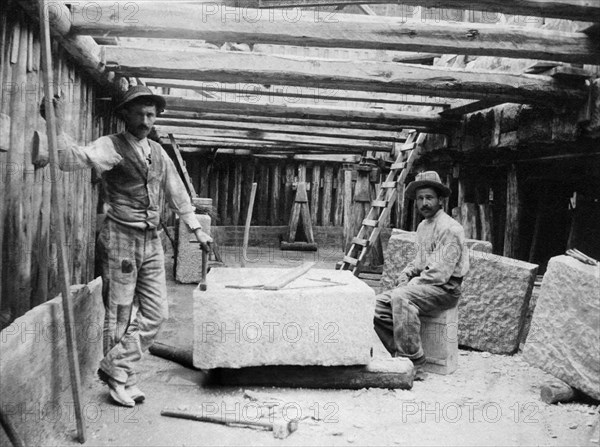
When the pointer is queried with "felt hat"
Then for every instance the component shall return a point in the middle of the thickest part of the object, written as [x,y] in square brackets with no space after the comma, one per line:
[427,179]
[138,91]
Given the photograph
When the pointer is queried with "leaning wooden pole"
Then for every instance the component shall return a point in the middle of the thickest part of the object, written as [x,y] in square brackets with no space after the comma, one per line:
[58,207]
[247,226]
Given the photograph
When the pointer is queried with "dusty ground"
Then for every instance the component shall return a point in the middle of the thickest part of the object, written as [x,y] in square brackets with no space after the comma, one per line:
[490,400]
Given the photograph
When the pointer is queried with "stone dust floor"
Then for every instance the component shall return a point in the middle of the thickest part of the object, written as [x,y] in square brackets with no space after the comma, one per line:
[489,400]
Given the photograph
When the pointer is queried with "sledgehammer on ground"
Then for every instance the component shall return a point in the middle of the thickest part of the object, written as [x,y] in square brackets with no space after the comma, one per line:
[281,429]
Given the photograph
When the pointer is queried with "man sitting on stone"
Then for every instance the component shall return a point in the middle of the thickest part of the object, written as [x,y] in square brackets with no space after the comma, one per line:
[431,282]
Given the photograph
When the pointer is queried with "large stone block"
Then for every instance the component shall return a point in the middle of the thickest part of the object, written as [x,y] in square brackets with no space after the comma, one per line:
[35,380]
[306,323]
[189,256]
[565,330]
[494,302]
[401,249]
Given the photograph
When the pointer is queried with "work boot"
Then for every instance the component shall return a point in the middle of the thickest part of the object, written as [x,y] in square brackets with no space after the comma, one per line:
[116,390]
[135,393]
[419,366]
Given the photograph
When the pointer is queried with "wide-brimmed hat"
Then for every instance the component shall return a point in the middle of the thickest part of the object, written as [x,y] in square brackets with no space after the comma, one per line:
[138,91]
[427,179]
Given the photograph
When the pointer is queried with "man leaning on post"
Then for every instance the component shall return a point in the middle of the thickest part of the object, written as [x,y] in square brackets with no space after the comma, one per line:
[431,282]
[137,177]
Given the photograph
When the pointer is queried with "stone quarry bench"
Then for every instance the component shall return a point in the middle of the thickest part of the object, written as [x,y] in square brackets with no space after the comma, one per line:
[308,322]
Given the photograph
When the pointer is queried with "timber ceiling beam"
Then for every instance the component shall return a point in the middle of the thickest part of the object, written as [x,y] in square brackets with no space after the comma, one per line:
[315,95]
[258,135]
[423,121]
[177,21]
[362,75]
[184,140]
[291,130]
[83,49]
[584,10]
[274,120]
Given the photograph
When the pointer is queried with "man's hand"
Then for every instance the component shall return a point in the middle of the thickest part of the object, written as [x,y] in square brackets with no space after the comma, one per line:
[59,110]
[204,239]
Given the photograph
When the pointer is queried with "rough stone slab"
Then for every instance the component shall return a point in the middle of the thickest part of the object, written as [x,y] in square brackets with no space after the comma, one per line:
[189,256]
[494,303]
[565,330]
[401,249]
[301,324]
[35,382]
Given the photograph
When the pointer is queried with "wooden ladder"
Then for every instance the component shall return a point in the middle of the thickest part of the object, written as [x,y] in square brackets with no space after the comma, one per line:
[382,205]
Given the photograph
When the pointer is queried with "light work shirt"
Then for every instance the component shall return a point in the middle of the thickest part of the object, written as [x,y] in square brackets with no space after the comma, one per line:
[441,252]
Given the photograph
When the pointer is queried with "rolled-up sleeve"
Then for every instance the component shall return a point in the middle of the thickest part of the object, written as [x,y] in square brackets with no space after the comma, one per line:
[176,195]
[99,155]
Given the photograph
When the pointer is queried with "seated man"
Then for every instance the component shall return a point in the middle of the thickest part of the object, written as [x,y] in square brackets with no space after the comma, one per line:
[430,283]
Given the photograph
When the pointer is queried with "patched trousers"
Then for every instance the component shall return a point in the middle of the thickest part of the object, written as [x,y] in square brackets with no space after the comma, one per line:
[133,265]
[397,313]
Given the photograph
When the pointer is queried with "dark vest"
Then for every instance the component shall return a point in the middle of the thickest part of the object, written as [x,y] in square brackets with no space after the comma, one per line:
[133,189]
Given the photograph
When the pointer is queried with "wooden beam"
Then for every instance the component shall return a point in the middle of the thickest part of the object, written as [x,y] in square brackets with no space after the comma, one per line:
[469,107]
[274,120]
[191,143]
[583,10]
[400,119]
[84,49]
[340,31]
[297,130]
[243,91]
[258,136]
[369,76]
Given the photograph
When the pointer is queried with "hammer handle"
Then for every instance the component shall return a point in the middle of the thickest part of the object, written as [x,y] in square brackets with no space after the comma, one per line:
[204,270]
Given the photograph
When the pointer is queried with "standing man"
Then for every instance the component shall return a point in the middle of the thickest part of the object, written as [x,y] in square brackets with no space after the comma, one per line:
[431,282]
[137,176]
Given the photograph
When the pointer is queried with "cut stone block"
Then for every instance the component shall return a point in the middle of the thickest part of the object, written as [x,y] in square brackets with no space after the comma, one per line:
[494,302]
[189,255]
[401,249]
[439,337]
[565,330]
[306,323]
[35,380]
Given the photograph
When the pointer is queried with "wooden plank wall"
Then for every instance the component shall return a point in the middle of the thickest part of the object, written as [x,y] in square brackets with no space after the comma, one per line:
[29,254]
[227,180]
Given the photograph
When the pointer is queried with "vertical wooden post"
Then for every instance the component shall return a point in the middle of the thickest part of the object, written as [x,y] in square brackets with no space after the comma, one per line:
[485,212]
[327,195]
[288,196]
[214,187]
[204,180]
[511,232]
[275,196]
[14,250]
[347,208]
[224,194]
[58,207]
[237,192]
[338,214]
[262,207]
[314,194]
